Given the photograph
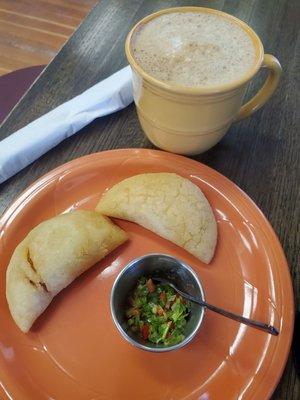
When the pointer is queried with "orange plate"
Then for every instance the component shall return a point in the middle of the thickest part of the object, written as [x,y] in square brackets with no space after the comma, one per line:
[74,350]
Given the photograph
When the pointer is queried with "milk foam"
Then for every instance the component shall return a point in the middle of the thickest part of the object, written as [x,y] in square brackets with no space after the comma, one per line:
[193,49]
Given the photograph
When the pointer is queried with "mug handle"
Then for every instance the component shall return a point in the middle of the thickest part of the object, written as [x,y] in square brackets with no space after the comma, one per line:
[263,95]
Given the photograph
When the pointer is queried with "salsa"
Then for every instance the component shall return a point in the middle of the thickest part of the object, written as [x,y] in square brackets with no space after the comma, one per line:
[157,313]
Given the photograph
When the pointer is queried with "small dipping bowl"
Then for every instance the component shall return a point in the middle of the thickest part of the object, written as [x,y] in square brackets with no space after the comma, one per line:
[163,266]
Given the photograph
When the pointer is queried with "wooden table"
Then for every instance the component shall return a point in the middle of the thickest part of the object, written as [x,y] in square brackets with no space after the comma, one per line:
[260,154]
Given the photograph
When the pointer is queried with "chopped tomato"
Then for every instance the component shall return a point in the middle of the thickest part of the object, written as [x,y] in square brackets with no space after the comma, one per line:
[132,311]
[145,331]
[160,311]
[156,313]
[150,285]
[162,297]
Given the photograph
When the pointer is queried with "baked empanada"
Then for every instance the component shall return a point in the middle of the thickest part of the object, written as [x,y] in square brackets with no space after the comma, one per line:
[51,256]
[167,204]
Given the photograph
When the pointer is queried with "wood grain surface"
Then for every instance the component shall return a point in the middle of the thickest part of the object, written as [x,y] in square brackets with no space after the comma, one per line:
[260,154]
[32,32]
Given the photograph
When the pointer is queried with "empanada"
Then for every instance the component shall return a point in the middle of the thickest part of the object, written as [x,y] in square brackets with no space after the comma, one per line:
[167,204]
[51,256]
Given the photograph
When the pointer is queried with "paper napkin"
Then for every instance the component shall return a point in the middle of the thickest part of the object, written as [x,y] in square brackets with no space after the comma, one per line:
[27,144]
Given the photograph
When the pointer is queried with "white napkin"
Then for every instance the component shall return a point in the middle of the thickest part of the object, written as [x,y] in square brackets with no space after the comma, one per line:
[27,144]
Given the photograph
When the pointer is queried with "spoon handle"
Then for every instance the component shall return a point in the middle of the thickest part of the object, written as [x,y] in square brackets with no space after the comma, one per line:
[247,321]
[255,324]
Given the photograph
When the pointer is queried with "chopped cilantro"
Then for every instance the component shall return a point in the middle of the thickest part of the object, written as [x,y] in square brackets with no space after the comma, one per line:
[157,313]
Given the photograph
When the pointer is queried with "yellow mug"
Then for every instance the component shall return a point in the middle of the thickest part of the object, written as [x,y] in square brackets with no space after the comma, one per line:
[190,120]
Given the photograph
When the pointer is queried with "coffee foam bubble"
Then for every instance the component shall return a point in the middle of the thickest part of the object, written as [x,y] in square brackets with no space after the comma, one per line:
[193,49]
